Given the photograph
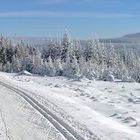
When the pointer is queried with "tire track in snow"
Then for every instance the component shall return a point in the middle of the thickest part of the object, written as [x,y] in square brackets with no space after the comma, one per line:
[61,126]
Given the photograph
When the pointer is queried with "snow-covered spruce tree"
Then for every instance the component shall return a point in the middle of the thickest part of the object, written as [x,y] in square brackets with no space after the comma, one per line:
[9,52]
[26,59]
[45,54]
[129,65]
[135,70]
[3,57]
[37,63]
[50,67]
[15,65]
[87,59]
[87,68]
[51,48]
[12,63]
[111,57]
[57,49]
[70,67]
[128,57]
[98,57]
[58,64]
[89,50]
[112,61]
[66,44]
[77,49]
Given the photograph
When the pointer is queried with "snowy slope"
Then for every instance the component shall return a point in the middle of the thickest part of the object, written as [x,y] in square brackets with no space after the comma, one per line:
[110,111]
[19,121]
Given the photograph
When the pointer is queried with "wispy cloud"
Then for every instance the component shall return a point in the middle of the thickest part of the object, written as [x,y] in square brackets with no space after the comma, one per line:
[50,1]
[64,14]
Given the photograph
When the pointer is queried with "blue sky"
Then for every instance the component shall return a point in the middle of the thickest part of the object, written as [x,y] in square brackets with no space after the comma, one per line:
[81,18]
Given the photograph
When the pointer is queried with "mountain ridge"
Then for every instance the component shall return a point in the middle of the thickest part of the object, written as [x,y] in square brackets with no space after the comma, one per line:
[132,35]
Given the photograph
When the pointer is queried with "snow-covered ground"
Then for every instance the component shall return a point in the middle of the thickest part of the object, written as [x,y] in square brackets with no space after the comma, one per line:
[107,110]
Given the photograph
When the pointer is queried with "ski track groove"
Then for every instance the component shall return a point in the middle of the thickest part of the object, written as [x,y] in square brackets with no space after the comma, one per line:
[61,126]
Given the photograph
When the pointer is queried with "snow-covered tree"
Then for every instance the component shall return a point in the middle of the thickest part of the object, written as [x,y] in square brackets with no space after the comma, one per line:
[66,45]
[69,58]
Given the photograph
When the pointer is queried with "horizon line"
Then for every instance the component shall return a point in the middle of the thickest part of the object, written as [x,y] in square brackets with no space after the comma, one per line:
[63,14]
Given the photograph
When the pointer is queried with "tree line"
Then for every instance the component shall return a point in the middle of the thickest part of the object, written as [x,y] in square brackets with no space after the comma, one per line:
[66,57]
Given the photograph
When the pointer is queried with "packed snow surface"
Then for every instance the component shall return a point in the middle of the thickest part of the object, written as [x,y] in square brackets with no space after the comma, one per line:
[109,110]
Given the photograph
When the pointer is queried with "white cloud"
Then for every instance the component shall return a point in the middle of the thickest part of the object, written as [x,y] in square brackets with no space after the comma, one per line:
[51,1]
[64,14]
